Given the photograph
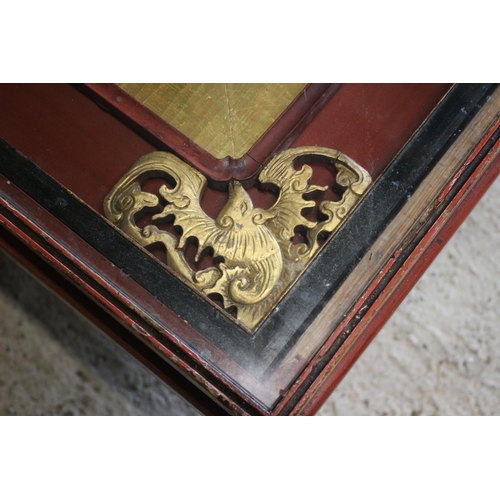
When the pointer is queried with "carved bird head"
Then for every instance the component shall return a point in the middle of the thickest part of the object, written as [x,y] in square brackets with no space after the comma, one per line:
[239,212]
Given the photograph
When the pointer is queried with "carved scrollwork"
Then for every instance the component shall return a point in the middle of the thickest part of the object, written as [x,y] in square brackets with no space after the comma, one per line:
[257,259]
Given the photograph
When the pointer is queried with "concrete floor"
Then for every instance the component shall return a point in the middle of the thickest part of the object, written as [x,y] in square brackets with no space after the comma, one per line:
[438,355]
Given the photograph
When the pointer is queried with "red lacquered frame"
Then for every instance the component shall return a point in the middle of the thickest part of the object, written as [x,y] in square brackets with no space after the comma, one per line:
[288,125]
[38,243]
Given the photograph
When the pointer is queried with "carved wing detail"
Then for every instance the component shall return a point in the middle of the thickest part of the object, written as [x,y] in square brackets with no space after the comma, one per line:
[293,185]
[184,203]
[127,199]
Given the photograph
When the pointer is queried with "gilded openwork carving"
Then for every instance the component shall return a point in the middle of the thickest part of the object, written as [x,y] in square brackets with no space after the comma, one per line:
[255,257]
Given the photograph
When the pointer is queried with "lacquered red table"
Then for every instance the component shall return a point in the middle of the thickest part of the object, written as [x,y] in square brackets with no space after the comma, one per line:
[109,203]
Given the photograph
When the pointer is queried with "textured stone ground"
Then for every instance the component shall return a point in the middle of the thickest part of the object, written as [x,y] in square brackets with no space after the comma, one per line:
[438,355]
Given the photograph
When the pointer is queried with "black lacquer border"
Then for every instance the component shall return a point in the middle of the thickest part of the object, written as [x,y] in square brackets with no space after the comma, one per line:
[383,201]
[318,283]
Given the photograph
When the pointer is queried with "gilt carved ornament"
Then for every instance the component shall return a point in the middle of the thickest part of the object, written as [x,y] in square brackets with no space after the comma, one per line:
[256,256]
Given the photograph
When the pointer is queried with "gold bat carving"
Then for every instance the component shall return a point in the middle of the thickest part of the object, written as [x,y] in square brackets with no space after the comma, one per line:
[257,259]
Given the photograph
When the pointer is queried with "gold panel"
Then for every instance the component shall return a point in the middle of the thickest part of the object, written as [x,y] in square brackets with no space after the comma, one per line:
[257,259]
[225,119]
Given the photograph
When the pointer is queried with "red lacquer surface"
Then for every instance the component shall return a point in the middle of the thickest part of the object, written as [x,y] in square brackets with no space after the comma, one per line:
[87,150]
